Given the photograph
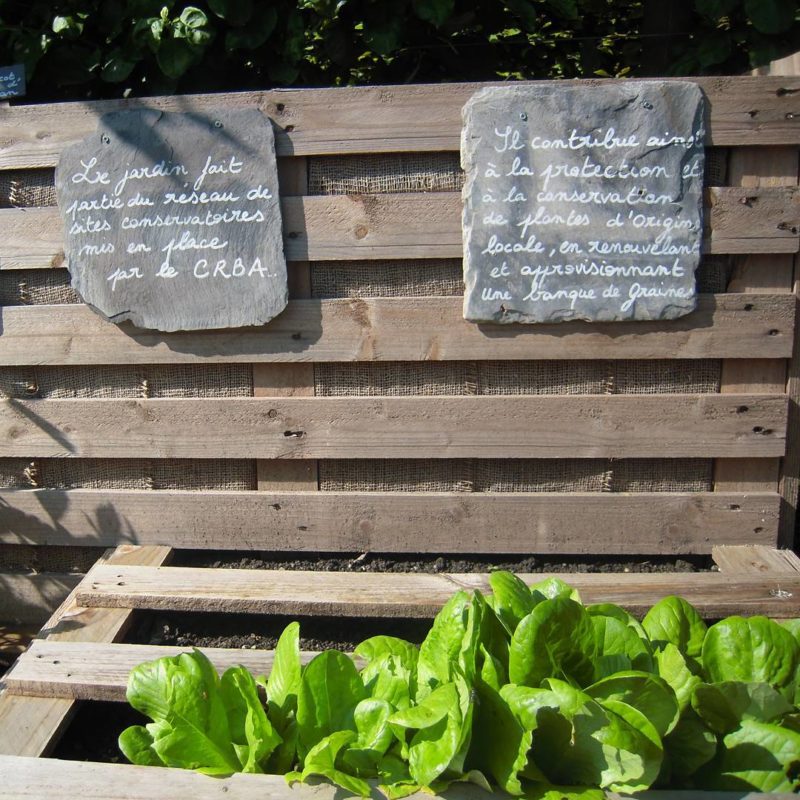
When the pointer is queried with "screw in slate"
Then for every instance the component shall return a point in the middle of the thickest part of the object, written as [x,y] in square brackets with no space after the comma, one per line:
[647,105]
[523,116]
[217,123]
[105,139]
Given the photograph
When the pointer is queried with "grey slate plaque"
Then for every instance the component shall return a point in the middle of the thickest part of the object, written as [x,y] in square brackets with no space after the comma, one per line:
[582,202]
[12,81]
[173,221]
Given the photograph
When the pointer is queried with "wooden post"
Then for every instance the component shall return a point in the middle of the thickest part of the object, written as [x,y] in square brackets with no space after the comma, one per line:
[288,380]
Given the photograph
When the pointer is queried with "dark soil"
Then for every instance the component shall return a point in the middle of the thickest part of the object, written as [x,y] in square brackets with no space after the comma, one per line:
[92,735]
[255,631]
[432,563]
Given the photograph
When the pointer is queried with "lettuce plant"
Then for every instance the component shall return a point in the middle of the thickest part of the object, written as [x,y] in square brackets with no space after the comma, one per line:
[527,690]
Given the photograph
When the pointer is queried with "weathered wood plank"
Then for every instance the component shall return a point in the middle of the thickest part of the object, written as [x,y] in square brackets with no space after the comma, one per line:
[33,778]
[755,559]
[32,598]
[31,726]
[413,595]
[391,522]
[428,225]
[288,380]
[753,168]
[89,671]
[399,329]
[544,426]
[742,110]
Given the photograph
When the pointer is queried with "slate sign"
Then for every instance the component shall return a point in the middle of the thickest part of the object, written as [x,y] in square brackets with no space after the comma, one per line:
[582,202]
[12,81]
[172,220]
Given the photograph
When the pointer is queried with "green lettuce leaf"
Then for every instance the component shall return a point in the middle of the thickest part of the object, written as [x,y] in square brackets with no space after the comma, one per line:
[500,743]
[512,599]
[330,690]
[578,741]
[648,693]
[757,756]
[752,650]
[674,668]
[674,620]
[182,695]
[321,760]
[557,639]
[252,734]
[723,706]
[442,646]
[688,746]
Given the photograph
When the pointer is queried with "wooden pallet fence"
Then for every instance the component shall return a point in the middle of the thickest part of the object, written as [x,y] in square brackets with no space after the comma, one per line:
[285,431]
[742,111]
[427,226]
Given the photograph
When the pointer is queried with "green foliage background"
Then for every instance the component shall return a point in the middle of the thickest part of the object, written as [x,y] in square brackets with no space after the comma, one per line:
[109,48]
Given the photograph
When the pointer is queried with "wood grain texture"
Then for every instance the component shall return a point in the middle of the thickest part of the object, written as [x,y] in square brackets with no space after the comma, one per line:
[426,225]
[31,726]
[29,778]
[399,329]
[755,168]
[89,671]
[288,380]
[31,599]
[742,110]
[413,595]
[393,522]
[544,426]
[755,559]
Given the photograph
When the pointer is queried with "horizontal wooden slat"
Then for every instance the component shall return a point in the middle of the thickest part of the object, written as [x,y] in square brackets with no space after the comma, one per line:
[349,594]
[31,726]
[545,426]
[390,522]
[99,671]
[742,111]
[756,559]
[31,598]
[29,778]
[346,227]
[400,329]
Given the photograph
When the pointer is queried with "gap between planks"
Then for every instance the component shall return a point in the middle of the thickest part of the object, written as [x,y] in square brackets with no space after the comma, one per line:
[32,726]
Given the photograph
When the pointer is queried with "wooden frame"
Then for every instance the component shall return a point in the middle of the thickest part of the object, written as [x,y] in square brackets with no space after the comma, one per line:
[78,657]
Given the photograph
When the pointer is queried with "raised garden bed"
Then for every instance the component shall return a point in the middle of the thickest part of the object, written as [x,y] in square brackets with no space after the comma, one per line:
[79,655]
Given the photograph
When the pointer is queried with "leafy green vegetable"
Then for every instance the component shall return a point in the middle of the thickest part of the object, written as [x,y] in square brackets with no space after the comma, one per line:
[752,650]
[330,689]
[724,706]
[674,621]
[556,639]
[528,689]
[190,727]
[512,598]
[757,756]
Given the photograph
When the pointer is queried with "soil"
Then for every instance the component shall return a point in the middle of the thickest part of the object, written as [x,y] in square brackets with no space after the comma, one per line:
[92,735]
[255,631]
[433,563]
